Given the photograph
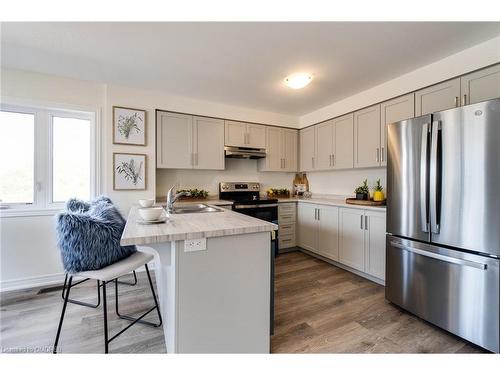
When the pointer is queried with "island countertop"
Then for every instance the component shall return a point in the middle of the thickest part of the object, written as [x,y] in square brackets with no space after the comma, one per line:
[191,226]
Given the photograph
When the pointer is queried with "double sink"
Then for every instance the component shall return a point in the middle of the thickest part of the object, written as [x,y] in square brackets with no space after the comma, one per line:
[197,208]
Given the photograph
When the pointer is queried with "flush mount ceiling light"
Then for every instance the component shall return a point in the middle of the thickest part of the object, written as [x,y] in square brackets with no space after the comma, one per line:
[298,80]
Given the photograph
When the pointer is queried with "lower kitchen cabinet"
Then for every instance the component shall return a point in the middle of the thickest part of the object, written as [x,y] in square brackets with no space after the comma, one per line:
[318,229]
[362,241]
[350,236]
[287,217]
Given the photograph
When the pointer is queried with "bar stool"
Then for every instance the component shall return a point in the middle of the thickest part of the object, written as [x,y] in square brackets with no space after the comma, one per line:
[109,274]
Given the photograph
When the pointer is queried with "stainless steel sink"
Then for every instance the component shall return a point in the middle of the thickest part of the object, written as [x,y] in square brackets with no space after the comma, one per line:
[194,209]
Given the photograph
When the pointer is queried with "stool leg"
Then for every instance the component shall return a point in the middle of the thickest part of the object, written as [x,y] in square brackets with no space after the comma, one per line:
[105,311]
[154,295]
[127,283]
[79,302]
[62,313]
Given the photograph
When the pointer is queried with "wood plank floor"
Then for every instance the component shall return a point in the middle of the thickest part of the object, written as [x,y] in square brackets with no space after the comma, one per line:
[320,308]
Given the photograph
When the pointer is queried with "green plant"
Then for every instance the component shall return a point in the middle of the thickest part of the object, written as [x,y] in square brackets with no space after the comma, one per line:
[274,191]
[378,186]
[195,193]
[363,189]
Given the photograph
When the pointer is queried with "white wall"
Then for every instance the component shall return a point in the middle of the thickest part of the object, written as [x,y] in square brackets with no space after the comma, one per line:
[236,170]
[28,260]
[473,58]
[344,182]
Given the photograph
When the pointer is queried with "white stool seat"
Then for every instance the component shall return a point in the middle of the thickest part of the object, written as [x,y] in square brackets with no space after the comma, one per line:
[120,268]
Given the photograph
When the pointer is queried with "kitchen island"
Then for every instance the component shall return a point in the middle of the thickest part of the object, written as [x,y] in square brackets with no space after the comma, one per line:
[213,278]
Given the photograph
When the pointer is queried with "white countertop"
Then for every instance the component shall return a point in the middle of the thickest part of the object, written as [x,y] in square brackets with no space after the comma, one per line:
[191,226]
[331,201]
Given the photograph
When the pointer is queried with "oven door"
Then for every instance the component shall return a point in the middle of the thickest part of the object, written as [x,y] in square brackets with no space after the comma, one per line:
[267,212]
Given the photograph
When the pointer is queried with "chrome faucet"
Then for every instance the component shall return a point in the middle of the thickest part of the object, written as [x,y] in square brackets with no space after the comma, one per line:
[172,196]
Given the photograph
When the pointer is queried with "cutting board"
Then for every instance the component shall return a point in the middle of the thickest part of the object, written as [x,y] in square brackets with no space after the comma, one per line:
[360,202]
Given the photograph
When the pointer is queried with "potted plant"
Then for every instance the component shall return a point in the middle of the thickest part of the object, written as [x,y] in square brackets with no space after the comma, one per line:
[378,195]
[194,194]
[362,191]
[278,193]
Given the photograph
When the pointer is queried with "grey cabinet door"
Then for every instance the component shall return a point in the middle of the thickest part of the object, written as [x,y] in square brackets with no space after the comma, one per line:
[343,139]
[256,136]
[307,149]
[367,137]
[324,145]
[235,134]
[351,242]
[328,238]
[437,98]
[394,110]
[307,226]
[481,85]
[208,143]
[290,148]
[375,244]
[274,154]
[174,140]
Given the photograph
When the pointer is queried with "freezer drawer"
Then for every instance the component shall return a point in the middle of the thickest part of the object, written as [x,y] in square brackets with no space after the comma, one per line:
[456,291]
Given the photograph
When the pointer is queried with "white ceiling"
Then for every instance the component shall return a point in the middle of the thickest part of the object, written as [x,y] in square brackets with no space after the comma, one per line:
[238,63]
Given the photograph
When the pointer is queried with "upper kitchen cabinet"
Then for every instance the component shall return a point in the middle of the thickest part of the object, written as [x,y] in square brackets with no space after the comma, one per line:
[367,137]
[241,134]
[281,150]
[343,144]
[394,110]
[174,140]
[437,98]
[208,143]
[334,143]
[324,145]
[307,149]
[189,142]
[481,85]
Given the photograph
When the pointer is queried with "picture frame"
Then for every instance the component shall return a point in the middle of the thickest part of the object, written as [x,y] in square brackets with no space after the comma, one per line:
[129,126]
[129,171]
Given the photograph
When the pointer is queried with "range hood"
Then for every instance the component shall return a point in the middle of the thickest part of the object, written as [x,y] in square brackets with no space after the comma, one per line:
[244,152]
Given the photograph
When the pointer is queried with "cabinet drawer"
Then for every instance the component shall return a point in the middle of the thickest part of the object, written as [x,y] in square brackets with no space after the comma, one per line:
[287,218]
[286,229]
[286,241]
[286,207]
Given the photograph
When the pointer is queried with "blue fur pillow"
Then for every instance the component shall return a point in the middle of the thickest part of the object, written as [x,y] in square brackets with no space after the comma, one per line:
[76,205]
[89,238]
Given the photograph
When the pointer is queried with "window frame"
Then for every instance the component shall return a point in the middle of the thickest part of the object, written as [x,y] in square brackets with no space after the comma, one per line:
[43,154]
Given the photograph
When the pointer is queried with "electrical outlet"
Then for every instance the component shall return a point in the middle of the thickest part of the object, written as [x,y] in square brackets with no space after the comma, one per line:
[195,245]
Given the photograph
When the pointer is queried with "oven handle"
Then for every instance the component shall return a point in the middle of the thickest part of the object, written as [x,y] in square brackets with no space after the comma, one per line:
[240,206]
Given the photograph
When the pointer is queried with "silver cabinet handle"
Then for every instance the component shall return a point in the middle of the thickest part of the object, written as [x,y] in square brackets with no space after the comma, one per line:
[319,218]
[378,155]
[456,101]
[361,217]
[330,159]
[312,160]
[366,222]
[284,163]
[424,214]
[333,160]
[435,178]
[444,258]
[465,100]
[315,214]
[382,155]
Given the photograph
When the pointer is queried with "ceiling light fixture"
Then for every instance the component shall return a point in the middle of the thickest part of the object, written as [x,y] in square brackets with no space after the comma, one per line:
[298,80]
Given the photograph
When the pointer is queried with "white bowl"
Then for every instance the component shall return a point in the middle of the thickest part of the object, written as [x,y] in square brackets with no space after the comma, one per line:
[150,213]
[146,202]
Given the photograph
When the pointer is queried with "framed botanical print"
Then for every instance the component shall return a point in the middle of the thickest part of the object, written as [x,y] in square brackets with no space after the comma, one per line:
[129,171]
[129,126]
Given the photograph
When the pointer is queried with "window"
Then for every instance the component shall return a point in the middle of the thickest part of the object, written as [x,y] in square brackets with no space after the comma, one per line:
[17,157]
[47,157]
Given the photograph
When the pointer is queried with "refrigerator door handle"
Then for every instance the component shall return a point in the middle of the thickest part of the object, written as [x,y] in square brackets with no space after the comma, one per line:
[435,177]
[424,205]
[444,258]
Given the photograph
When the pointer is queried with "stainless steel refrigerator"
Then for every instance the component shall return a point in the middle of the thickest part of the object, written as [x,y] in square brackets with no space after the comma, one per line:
[443,220]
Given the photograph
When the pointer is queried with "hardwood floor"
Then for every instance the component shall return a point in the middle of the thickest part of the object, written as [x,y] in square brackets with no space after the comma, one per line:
[319,309]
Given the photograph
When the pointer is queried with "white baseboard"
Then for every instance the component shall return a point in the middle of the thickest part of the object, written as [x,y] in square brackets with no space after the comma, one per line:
[43,281]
